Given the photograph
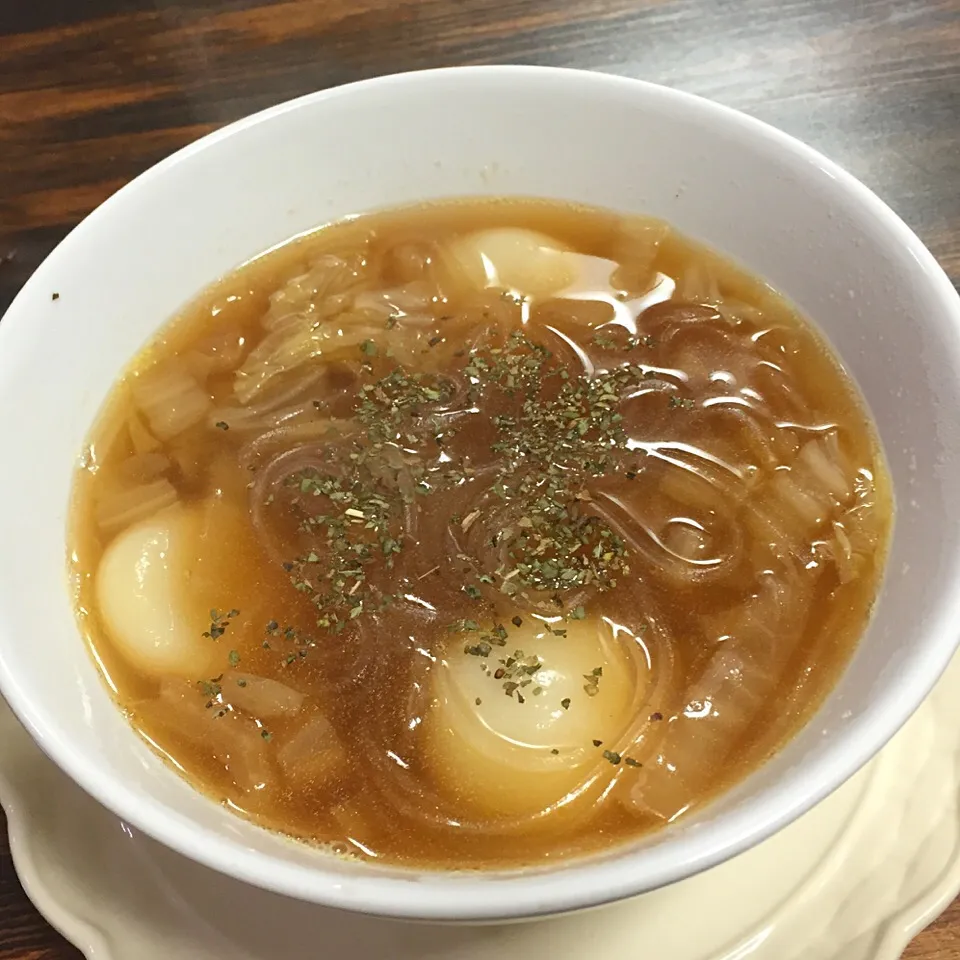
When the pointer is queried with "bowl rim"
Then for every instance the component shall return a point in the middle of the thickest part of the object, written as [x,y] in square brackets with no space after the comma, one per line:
[440,895]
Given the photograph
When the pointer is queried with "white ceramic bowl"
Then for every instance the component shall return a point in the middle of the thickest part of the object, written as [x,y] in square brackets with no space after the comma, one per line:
[810,229]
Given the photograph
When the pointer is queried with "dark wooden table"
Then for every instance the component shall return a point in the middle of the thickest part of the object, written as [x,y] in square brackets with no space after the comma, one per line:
[94,91]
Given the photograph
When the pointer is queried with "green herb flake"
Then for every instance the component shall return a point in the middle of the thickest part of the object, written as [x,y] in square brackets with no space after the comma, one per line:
[219,623]
[592,687]
[481,649]
[211,688]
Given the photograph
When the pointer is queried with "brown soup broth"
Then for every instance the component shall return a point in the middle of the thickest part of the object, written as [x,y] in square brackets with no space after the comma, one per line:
[453,547]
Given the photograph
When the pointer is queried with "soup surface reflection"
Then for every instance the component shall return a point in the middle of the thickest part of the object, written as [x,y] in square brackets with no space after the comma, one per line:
[478,533]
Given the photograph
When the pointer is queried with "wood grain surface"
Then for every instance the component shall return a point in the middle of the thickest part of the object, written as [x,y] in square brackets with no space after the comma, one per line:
[92,92]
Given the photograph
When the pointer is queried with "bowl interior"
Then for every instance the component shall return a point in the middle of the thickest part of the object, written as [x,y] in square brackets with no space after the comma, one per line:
[780,209]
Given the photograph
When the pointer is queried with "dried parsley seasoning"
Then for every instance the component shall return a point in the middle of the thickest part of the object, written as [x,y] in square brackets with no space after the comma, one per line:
[617,338]
[569,421]
[603,340]
[552,428]
[615,759]
[219,623]
[554,548]
[360,526]
[517,365]
[566,426]
[517,673]
[353,512]
[480,642]
[211,688]
[394,405]
[289,635]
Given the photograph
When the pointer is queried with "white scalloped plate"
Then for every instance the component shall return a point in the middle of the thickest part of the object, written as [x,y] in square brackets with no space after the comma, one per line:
[856,878]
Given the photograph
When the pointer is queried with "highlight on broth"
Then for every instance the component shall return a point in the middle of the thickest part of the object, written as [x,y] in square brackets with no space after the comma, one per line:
[479,533]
